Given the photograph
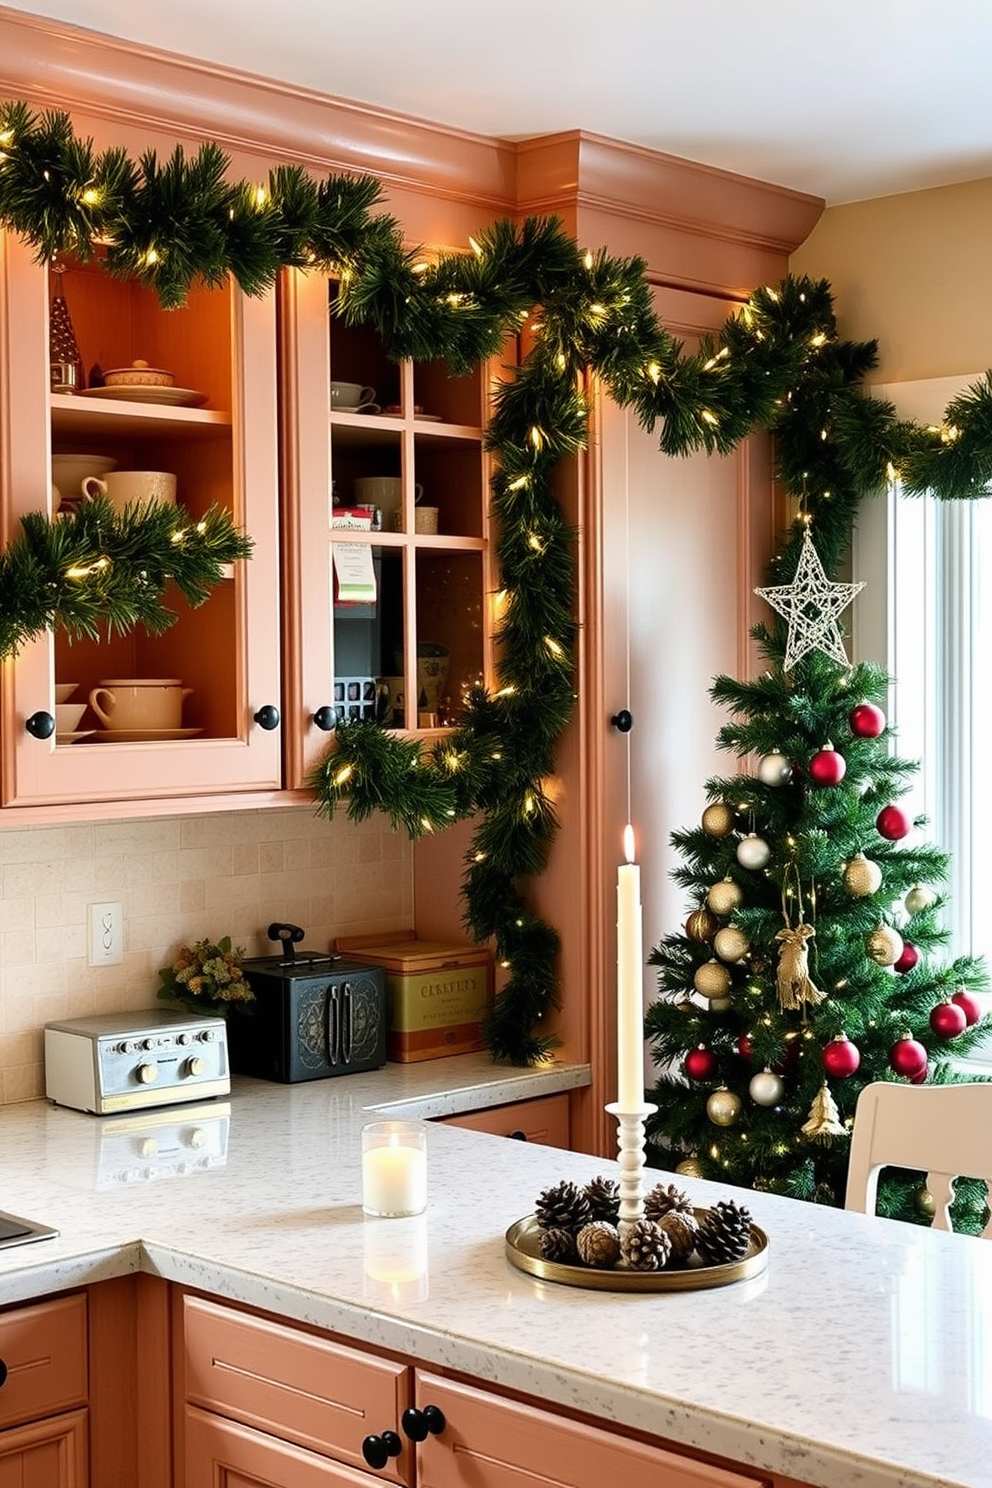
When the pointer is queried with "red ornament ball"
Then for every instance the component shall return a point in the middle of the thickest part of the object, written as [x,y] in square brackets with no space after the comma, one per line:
[920,1077]
[947,1020]
[841,1058]
[866,721]
[892,823]
[827,767]
[908,959]
[744,1046]
[969,1005]
[908,1057]
[701,1063]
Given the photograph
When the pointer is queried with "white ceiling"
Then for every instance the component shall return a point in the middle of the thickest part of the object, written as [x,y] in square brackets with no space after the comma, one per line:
[846,99]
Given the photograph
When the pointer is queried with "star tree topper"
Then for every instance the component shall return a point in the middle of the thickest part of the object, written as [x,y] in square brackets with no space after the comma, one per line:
[811,604]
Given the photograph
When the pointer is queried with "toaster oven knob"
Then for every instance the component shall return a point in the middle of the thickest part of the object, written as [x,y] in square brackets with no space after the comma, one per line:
[182,1038]
[195,1065]
[208,1035]
[147,1073]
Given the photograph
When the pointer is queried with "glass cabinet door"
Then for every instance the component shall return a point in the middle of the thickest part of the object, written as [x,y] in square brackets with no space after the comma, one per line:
[195,423]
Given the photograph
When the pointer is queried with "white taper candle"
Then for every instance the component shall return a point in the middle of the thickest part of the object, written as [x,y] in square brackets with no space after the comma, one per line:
[630,997]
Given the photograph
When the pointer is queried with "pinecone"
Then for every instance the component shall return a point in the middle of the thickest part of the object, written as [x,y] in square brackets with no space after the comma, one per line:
[603,1195]
[646,1247]
[681,1231]
[564,1206]
[666,1200]
[598,1244]
[558,1245]
[724,1233]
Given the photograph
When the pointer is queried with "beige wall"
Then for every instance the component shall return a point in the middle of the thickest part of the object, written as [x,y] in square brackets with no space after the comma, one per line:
[179,879]
[911,271]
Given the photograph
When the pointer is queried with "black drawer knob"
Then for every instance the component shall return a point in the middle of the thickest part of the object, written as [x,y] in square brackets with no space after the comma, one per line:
[40,725]
[3,1373]
[623,721]
[377,1450]
[325,718]
[517,1136]
[267,717]
[419,1424]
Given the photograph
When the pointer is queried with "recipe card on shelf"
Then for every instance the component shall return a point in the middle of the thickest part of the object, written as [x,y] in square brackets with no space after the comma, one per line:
[354,575]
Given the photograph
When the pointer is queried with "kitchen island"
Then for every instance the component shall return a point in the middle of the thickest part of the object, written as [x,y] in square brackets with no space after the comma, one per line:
[861,1356]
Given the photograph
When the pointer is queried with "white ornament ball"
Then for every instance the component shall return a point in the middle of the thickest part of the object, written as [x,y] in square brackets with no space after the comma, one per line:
[711,979]
[920,897]
[724,897]
[723,1107]
[731,944]
[884,945]
[774,769]
[753,851]
[862,877]
[766,1089]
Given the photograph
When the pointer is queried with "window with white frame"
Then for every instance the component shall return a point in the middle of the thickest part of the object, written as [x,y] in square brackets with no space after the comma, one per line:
[928,566]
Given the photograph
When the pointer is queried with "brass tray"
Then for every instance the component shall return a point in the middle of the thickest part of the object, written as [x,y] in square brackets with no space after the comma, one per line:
[523,1251]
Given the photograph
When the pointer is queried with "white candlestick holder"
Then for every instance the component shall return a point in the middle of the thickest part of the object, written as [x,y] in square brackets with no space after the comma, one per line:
[630,1141]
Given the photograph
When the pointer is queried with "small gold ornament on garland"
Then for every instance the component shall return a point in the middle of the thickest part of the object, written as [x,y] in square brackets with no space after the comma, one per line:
[824,1118]
[862,877]
[724,897]
[884,945]
[701,925]
[718,819]
[711,979]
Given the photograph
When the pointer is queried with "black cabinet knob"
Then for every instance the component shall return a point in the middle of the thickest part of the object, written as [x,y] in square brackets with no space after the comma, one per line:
[40,725]
[419,1424]
[267,717]
[3,1373]
[517,1136]
[623,721]
[325,718]
[377,1450]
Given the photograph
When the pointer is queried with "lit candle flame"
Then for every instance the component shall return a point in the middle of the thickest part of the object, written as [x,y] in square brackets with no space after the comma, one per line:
[628,843]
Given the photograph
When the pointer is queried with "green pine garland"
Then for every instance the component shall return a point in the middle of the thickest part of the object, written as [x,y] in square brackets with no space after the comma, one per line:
[777,365]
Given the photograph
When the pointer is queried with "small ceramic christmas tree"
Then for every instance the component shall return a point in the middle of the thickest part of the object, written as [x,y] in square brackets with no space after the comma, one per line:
[809,964]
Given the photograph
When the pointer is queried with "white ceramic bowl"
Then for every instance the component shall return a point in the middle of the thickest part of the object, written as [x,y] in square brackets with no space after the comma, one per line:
[67,716]
[64,691]
[69,471]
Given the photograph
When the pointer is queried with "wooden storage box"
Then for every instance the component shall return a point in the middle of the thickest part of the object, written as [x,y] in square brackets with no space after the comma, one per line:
[436,994]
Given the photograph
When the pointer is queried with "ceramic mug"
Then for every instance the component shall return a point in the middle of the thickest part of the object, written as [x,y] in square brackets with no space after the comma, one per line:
[385,492]
[425,519]
[124,486]
[139,705]
[351,397]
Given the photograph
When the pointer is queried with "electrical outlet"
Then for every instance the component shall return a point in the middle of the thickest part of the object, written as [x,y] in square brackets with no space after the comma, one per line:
[106,934]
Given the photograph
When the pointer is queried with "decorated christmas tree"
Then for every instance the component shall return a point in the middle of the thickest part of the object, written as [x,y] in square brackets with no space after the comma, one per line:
[813,959]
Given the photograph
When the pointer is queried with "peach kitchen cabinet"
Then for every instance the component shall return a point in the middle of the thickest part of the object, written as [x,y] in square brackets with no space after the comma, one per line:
[545,1120]
[223,450]
[44,1395]
[269,1403]
[417,456]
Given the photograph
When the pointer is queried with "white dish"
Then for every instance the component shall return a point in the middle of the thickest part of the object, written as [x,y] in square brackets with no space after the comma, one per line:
[175,397]
[144,736]
[73,738]
[428,418]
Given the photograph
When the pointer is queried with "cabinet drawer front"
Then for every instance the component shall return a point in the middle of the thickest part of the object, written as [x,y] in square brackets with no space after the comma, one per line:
[543,1120]
[223,1454]
[304,1389]
[44,1349]
[490,1443]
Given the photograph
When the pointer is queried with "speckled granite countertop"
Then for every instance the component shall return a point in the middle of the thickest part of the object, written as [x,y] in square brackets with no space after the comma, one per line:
[861,1358]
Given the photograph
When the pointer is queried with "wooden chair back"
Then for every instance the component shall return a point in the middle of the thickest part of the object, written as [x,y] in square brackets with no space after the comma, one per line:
[943,1130]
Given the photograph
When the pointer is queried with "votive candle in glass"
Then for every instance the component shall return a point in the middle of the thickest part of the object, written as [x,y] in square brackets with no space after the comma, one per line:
[394,1168]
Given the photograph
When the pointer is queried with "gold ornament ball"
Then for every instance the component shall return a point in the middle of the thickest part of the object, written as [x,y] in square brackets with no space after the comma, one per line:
[731,944]
[925,1201]
[920,897]
[711,979]
[723,1107]
[689,1168]
[718,819]
[724,897]
[701,925]
[884,945]
[862,877]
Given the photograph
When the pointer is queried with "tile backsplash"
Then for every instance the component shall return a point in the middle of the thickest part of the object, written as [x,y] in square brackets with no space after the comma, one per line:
[178,879]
